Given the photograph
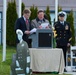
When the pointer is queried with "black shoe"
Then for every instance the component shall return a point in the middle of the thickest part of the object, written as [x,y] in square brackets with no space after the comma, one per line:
[65,70]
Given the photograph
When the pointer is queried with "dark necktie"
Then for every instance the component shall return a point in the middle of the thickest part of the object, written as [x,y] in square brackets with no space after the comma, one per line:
[27,24]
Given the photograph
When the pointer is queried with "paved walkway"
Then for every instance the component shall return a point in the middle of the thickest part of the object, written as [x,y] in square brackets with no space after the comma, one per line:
[73,73]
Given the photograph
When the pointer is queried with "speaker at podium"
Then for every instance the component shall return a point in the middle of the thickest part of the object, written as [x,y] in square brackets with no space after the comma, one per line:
[42,38]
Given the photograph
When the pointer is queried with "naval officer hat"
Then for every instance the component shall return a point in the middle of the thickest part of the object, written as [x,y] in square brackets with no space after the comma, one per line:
[61,14]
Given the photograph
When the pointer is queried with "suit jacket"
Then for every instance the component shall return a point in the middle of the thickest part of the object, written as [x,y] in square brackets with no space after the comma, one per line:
[63,33]
[21,24]
[36,23]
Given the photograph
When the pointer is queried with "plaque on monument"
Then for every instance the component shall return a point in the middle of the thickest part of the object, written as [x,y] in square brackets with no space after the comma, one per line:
[42,38]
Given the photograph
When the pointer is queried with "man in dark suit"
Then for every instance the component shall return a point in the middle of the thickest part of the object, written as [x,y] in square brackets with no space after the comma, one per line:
[23,23]
[63,37]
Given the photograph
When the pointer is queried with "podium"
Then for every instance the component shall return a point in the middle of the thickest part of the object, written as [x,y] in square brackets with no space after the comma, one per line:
[42,38]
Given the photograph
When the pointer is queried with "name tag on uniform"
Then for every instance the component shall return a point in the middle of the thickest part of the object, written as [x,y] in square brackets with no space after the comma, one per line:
[66,27]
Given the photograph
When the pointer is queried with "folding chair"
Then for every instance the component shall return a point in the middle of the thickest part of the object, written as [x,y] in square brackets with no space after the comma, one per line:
[73,58]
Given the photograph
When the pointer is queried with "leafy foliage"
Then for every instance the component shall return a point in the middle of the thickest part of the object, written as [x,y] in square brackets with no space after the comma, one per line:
[23,7]
[47,13]
[11,18]
[33,12]
[70,19]
[59,8]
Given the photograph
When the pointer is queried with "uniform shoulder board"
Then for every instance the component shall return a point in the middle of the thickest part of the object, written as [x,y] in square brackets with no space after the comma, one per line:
[70,39]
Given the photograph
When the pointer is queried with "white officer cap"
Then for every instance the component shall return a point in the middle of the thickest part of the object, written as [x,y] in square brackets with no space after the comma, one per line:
[18,31]
[61,14]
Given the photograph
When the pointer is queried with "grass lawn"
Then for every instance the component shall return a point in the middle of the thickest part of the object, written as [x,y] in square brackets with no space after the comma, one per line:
[5,66]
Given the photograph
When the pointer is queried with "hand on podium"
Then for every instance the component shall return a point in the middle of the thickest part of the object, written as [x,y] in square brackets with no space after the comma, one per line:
[40,27]
[47,27]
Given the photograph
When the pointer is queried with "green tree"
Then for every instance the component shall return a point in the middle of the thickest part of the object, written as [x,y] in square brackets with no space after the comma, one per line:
[47,13]
[11,18]
[23,7]
[70,19]
[33,12]
[59,8]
